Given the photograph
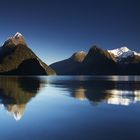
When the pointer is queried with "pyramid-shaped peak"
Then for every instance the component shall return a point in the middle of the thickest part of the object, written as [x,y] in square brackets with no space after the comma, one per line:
[95,49]
[15,40]
[18,35]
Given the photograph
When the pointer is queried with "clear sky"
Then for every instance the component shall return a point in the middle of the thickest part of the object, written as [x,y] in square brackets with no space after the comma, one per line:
[55,29]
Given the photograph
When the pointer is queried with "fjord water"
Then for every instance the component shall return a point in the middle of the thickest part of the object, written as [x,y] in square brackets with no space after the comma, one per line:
[70,107]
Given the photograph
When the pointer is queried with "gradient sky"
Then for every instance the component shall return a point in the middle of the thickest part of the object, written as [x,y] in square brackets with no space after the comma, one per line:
[55,29]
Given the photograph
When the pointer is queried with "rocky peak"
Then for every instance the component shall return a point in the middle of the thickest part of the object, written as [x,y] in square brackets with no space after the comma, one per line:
[79,56]
[17,39]
[18,35]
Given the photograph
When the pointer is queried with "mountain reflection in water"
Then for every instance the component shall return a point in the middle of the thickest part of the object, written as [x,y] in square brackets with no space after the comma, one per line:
[117,90]
[70,107]
[16,92]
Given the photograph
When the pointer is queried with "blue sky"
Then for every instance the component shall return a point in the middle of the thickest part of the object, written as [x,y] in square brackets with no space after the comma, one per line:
[55,29]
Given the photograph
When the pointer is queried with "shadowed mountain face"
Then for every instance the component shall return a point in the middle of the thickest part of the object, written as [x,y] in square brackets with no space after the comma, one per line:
[70,65]
[101,62]
[17,59]
[16,92]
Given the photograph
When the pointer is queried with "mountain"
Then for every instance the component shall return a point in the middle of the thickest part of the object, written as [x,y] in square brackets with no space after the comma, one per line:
[120,61]
[99,61]
[69,66]
[16,93]
[128,61]
[16,58]
[124,55]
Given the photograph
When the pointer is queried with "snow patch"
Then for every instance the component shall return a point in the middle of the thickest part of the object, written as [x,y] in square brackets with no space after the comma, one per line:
[123,52]
[17,35]
[119,51]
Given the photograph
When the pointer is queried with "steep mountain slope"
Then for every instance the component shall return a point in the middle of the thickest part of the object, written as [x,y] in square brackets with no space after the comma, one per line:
[99,61]
[17,59]
[69,66]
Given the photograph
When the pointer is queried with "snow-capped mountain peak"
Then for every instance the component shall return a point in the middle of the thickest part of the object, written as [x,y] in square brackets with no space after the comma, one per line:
[123,52]
[119,51]
[18,38]
[17,35]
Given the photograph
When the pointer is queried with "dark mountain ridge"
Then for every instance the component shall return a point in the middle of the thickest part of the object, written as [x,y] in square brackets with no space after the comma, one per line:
[102,62]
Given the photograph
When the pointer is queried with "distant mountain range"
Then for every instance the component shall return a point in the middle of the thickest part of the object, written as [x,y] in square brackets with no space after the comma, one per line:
[16,58]
[120,61]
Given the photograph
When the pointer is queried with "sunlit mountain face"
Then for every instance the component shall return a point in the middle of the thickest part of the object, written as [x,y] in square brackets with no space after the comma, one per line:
[16,58]
[16,92]
[70,70]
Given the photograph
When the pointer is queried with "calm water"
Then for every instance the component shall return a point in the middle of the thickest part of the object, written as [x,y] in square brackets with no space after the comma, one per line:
[70,108]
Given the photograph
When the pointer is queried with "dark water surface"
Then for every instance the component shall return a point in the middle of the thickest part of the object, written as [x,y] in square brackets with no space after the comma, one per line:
[70,108]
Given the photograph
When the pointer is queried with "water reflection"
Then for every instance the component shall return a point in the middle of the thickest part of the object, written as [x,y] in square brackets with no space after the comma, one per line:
[123,97]
[80,93]
[16,92]
[113,90]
